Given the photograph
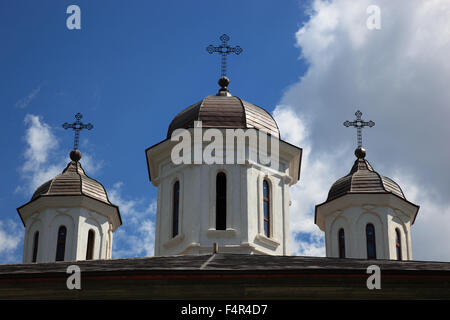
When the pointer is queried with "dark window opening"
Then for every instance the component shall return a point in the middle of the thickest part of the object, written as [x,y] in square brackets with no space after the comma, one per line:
[266,201]
[398,244]
[341,238]
[90,245]
[35,246]
[370,239]
[61,243]
[221,201]
[176,208]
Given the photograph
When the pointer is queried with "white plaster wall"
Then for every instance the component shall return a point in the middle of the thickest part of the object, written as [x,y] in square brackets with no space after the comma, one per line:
[244,233]
[78,222]
[354,220]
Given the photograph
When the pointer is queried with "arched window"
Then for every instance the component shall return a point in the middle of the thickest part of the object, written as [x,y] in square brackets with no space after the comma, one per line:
[370,239]
[35,246]
[221,201]
[266,201]
[398,244]
[61,243]
[341,241]
[90,245]
[176,208]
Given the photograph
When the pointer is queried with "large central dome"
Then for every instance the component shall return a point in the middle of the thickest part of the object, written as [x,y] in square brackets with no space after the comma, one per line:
[225,111]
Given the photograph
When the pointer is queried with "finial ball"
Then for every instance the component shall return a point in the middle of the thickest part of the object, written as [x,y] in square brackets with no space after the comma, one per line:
[75,155]
[224,82]
[360,153]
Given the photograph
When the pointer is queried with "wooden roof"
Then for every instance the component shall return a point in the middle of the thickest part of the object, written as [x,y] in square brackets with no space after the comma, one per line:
[222,262]
[227,276]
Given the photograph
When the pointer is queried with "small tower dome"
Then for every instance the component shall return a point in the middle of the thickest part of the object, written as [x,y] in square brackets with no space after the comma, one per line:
[366,215]
[363,179]
[73,181]
[69,218]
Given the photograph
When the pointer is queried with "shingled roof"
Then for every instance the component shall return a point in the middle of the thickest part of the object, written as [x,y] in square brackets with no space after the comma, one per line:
[362,178]
[227,276]
[72,181]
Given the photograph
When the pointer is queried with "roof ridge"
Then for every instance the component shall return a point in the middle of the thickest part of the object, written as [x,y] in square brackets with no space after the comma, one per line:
[101,184]
[243,108]
[81,182]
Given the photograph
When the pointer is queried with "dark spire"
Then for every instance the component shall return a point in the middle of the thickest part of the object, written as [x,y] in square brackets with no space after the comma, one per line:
[224,50]
[77,126]
[360,152]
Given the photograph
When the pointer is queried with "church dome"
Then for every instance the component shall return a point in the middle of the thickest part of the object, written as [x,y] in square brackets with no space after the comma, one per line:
[363,179]
[225,111]
[73,181]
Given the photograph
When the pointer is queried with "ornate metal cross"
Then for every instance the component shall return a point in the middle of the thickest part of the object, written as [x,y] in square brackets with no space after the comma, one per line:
[77,126]
[224,49]
[359,124]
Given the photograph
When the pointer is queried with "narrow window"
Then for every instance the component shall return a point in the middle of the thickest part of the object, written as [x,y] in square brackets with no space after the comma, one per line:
[341,241]
[221,201]
[176,208]
[398,244]
[61,243]
[90,245]
[35,246]
[370,239]
[266,201]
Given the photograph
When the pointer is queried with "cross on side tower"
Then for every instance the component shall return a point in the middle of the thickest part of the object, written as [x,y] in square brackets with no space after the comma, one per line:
[77,126]
[224,49]
[359,124]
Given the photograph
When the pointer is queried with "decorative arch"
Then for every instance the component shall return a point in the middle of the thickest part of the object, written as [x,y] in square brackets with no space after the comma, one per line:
[339,222]
[365,218]
[66,220]
[35,226]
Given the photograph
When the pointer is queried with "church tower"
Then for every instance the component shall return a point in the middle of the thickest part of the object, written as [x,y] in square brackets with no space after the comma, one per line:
[243,205]
[69,217]
[366,215]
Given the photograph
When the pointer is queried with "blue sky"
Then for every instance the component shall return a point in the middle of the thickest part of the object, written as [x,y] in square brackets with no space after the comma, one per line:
[135,64]
[129,70]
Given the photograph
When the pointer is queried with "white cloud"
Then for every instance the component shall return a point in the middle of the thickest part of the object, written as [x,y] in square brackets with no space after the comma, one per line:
[431,231]
[398,77]
[25,101]
[44,159]
[136,237]
[11,234]
[43,156]
[316,178]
